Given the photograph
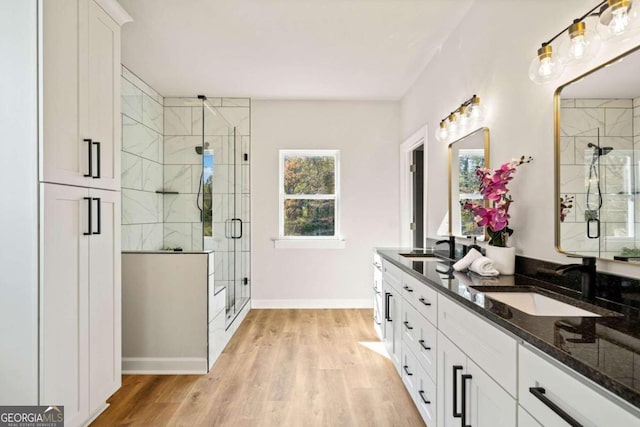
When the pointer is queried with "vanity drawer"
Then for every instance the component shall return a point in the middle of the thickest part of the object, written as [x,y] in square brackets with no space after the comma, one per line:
[485,344]
[586,402]
[421,337]
[391,274]
[421,297]
[424,396]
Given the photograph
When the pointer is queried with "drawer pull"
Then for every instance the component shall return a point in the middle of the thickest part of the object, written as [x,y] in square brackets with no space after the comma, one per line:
[407,370]
[407,288]
[463,422]
[456,368]
[423,345]
[387,315]
[425,302]
[406,325]
[421,393]
[539,392]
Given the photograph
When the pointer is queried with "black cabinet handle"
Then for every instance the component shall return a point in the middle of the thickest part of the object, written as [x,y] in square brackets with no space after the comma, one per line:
[89,217]
[406,325]
[423,345]
[97,144]
[99,215]
[387,295]
[422,300]
[539,392]
[408,289]
[463,422]
[405,367]
[90,163]
[421,393]
[456,368]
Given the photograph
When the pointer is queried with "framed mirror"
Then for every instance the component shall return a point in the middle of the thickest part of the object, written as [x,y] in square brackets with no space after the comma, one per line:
[597,158]
[466,155]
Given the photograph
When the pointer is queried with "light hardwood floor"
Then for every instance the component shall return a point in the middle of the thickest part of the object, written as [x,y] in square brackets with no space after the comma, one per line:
[282,368]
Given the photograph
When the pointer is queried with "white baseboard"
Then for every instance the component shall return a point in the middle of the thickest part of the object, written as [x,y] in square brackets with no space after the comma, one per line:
[164,365]
[312,303]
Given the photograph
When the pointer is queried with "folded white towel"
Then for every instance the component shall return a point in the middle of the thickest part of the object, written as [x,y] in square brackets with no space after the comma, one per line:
[483,266]
[466,261]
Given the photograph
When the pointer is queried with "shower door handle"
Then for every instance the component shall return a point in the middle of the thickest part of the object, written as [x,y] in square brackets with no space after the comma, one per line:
[233,220]
[593,223]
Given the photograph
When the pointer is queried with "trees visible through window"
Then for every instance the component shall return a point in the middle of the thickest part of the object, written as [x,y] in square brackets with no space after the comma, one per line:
[309,193]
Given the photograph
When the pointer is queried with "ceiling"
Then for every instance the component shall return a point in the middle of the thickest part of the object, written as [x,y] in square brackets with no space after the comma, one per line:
[286,49]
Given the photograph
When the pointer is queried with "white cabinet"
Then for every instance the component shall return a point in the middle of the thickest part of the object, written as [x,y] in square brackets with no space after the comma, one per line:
[80,299]
[466,394]
[392,323]
[378,317]
[543,386]
[81,95]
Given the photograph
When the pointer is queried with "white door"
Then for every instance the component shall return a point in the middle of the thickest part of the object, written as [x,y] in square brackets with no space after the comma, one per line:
[104,298]
[65,154]
[451,366]
[488,404]
[103,98]
[64,334]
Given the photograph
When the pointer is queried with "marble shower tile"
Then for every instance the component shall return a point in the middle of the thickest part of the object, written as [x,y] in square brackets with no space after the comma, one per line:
[131,171]
[131,100]
[140,207]
[152,114]
[196,236]
[221,121]
[574,238]
[581,121]
[603,103]
[181,150]
[140,140]
[584,154]
[131,237]
[151,176]
[196,171]
[636,102]
[177,121]
[236,102]
[177,178]
[221,180]
[128,74]
[177,235]
[567,103]
[618,122]
[246,148]
[181,208]
[616,208]
[182,102]
[152,237]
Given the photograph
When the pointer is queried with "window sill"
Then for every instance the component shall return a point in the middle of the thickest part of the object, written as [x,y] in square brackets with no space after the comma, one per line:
[309,244]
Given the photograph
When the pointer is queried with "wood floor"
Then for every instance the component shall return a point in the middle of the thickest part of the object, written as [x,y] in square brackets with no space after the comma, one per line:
[282,368]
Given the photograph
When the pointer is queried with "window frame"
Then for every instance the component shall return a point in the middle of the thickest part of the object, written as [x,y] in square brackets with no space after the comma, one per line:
[335,196]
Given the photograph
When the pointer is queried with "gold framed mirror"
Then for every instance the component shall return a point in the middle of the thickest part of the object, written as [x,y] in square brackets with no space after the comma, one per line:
[466,155]
[597,162]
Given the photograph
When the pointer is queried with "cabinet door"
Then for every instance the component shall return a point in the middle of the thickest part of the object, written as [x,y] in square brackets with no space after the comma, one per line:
[65,154]
[488,404]
[392,321]
[104,298]
[451,365]
[103,97]
[64,334]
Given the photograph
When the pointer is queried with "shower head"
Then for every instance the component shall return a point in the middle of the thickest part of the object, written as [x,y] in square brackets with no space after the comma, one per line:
[199,148]
[600,151]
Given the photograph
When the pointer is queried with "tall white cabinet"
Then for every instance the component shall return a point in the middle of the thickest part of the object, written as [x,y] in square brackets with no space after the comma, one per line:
[75,302]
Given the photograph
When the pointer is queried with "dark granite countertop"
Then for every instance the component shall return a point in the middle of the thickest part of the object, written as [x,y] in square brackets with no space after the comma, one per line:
[604,349]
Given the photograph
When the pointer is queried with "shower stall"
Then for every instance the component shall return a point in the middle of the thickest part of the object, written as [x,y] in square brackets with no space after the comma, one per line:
[186,184]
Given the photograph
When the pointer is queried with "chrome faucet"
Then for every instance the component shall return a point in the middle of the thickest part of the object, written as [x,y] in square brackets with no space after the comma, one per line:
[451,241]
[588,278]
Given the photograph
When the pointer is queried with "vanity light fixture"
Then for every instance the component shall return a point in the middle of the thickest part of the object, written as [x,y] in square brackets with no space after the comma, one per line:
[582,43]
[467,116]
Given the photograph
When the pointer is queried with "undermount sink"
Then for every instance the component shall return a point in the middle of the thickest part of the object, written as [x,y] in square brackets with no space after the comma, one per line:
[536,304]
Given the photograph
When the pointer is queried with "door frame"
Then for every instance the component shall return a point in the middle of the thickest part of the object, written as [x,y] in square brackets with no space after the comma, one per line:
[406,184]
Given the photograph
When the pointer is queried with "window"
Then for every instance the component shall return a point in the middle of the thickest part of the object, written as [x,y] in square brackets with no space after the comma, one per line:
[309,194]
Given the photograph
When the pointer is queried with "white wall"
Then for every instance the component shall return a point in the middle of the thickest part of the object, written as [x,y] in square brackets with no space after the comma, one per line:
[489,55]
[367,135]
[19,213]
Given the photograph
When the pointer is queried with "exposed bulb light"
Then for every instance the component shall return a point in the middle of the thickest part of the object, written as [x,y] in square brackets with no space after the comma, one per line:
[453,126]
[463,121]
[442,133]
[619,16]
[584,44]
[544,67]
[475,112]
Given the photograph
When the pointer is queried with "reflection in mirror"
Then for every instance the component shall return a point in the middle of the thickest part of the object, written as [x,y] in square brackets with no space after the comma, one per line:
[597,165]
[466,155]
